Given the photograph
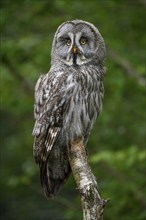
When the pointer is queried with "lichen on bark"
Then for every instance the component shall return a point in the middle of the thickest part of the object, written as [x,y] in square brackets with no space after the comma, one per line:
[92,204]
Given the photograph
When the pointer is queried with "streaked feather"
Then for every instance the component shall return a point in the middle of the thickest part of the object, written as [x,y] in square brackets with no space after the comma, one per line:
[68,100]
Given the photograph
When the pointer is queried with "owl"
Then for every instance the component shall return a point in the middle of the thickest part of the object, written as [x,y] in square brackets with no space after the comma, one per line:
[68,99]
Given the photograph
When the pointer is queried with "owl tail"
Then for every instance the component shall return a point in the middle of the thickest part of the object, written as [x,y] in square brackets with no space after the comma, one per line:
[53,177]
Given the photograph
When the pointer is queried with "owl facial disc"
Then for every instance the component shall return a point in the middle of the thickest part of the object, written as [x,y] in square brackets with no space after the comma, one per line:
[77,43]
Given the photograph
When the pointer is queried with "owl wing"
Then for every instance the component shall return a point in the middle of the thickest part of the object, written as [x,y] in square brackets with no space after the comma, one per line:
[47,125]
[48,112]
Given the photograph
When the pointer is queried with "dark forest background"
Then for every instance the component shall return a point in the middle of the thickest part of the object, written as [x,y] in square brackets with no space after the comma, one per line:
[117,144]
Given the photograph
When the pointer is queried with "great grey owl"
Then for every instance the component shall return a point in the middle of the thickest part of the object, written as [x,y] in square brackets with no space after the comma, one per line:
[68,99]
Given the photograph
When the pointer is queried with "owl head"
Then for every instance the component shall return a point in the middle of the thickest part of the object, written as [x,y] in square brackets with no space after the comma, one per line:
[76,43]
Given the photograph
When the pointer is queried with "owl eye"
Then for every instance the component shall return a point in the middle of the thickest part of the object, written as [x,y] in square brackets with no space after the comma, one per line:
[68,41]
[83,40]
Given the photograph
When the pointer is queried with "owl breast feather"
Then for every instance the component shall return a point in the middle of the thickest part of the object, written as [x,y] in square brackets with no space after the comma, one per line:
[82,93]
[71,99]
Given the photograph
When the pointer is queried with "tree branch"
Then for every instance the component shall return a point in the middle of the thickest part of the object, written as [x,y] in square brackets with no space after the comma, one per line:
[92,204]
[126,66]
[123,63]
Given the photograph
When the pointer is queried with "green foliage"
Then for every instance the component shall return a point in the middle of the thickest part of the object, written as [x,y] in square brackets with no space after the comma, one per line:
[117,143]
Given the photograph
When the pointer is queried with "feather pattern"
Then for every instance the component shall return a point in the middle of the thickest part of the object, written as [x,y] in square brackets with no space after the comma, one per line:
[68,99]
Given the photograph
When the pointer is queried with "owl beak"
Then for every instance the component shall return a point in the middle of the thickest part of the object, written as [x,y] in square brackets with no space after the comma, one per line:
[75,50]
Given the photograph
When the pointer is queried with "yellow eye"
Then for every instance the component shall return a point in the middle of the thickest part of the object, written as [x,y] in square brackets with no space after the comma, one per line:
[68,42]
[83,40]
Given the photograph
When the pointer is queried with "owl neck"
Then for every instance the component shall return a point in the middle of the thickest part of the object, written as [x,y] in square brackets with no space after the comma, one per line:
[78,68]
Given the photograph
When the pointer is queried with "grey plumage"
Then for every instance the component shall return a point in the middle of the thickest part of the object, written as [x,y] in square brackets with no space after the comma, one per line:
[68,99]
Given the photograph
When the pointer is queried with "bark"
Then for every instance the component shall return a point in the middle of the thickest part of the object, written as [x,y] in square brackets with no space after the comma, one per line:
[92,203]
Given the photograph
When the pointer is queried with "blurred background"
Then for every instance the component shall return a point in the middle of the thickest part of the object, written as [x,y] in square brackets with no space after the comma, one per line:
[117,144]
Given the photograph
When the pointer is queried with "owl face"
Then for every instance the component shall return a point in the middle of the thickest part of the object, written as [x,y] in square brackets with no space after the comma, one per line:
[77,42]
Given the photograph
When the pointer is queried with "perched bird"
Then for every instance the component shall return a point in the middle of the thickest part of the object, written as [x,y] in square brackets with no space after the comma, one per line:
[68,99]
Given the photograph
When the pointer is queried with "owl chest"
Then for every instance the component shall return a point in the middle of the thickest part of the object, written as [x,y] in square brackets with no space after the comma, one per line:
[90,94]
[83,108]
